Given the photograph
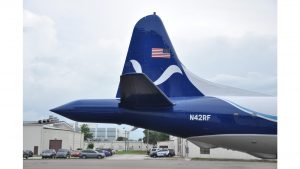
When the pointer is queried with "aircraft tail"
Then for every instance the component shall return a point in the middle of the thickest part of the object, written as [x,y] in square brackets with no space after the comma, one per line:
[151,52]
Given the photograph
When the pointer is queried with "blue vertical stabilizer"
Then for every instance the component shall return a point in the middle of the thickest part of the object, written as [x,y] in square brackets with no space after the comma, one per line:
[151,52]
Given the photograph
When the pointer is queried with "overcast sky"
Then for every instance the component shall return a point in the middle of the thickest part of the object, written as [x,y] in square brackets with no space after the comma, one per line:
[75,49]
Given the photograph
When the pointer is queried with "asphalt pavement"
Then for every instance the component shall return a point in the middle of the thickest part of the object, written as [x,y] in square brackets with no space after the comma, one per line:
[142,161]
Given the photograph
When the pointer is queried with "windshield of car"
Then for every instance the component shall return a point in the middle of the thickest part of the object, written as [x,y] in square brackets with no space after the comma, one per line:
[62,150]
[88,151]
[47,151]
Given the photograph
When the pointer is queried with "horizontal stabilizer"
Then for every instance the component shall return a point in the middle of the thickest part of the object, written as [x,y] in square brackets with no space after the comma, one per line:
[138,91]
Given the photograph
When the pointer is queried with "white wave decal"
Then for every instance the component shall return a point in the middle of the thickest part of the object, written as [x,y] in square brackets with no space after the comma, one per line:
[168,73]
[136,66]
[165,75]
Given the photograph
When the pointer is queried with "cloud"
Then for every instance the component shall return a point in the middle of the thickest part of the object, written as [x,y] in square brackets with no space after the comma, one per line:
[229,55]
[40,31]
[253,81]
[247,62]
[58,71]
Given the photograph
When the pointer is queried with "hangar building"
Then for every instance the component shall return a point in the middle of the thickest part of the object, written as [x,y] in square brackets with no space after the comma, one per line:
[41,136]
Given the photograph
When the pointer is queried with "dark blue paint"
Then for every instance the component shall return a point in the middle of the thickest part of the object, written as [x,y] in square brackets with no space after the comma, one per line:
[174,121]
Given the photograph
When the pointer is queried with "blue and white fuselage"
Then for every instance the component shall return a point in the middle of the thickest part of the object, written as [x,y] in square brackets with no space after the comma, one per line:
[157,92]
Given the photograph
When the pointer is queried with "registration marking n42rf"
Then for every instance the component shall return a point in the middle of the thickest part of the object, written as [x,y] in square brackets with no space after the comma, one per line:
[200,117]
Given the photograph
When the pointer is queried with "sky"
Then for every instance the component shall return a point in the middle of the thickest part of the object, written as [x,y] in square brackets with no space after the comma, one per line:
[75,49]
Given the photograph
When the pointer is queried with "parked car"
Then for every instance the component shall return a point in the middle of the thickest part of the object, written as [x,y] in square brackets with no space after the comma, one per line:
[106,153]
[75,153]
[152,151]
[91,154]
[171,152]
[25,154]
[49,153]
[28,152]
[63,153]
[161,153]
[109,150]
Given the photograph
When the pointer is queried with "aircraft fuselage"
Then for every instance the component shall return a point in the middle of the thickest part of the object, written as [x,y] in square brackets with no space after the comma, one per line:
[192,117]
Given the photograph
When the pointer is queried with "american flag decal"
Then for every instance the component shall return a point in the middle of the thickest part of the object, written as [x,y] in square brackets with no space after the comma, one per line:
[161,53]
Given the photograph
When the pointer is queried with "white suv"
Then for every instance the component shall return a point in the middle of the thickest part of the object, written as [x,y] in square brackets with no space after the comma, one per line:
[153,151]
[158,152]
[162,153]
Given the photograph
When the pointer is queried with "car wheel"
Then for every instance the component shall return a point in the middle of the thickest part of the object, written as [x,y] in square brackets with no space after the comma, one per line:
[84,157]
[98,157]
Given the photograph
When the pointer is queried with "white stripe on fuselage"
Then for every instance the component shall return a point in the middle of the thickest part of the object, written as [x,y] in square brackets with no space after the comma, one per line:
[264,107]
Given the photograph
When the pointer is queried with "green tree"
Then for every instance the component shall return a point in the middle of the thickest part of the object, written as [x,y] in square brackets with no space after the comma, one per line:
[121,139]
[84,128]
[155,136]
[90,146]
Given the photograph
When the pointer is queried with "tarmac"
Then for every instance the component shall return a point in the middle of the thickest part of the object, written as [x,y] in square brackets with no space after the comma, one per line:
[142,161]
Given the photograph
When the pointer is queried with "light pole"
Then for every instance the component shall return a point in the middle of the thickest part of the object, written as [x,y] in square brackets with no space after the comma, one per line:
[125,139]
[73,138]
[147,139]
[125,142]
[128,140]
